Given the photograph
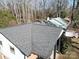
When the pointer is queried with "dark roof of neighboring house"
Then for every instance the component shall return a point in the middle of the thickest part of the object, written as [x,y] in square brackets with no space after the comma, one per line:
[36,38]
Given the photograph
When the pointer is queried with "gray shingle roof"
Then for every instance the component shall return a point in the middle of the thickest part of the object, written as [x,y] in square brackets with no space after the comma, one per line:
[37,38]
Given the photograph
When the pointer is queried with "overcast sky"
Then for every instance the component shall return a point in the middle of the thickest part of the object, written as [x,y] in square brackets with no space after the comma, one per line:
[70,2]
[48,3]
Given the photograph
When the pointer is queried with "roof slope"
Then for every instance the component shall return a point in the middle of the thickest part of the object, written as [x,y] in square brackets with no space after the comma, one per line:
[37,38]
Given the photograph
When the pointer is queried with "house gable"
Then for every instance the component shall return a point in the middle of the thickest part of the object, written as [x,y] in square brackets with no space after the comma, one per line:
[5,49]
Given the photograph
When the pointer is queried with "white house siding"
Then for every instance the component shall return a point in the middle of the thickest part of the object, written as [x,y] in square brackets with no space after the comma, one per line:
[5,49]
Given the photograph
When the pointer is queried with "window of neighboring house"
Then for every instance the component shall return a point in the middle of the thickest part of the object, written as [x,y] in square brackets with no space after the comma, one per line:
[1,43]
[12,50]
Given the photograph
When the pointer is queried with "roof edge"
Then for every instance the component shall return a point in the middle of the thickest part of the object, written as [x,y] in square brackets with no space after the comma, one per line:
[14,45]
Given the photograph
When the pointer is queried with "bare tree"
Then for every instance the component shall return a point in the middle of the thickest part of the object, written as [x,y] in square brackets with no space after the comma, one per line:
[44,7]
[2,4]
[25,11]
[77,6]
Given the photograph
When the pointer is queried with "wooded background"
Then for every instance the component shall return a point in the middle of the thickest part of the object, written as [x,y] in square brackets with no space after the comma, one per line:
[27,11]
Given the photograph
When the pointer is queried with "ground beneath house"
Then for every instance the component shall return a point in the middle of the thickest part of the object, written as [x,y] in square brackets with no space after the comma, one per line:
[73,51]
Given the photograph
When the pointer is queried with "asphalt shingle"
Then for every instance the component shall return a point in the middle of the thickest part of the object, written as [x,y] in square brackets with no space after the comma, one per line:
[37,38]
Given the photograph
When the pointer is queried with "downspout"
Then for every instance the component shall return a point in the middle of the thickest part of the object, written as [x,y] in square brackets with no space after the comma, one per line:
[61,33]
[54,52]
[55,47]
[24,57]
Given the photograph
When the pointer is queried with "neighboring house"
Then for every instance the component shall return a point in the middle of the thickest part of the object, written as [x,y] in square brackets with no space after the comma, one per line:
[71,33]
[64,24]
[20,41]
[58,22]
